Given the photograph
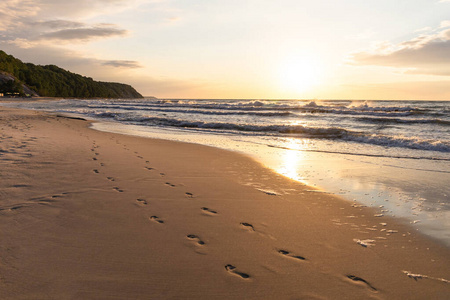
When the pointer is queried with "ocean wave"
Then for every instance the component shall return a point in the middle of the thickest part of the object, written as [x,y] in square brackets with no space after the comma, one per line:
[399,141]
[367,107]
[334,133]
[385,120]
[263,108]
[314,132]
[171,122]
[281,107]
[194,111]
[284,129]
[227,113]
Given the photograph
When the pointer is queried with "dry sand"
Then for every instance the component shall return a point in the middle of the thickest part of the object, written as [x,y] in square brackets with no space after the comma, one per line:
[92,215]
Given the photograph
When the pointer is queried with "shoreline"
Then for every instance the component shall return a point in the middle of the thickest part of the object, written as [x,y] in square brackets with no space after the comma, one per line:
[307,167]
[129,217]
[418,198]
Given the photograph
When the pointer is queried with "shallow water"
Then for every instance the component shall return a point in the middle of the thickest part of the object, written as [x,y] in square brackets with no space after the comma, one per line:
[394,156]
[419,196]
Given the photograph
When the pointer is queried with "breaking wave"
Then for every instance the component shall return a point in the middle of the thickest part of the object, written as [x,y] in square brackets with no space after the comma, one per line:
[335,133]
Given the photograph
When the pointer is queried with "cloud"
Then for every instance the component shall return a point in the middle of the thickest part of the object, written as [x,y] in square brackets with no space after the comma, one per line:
[47,9]
[14,14]
[29,30]
[31,22]
[83,34]
[58,24]
[424,54]
[130,64]
[66,32]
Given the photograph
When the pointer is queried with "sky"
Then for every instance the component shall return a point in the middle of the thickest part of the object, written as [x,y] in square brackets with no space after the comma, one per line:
[242,49]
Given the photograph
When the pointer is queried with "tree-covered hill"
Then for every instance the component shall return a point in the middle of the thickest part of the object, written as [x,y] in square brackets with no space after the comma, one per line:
[52,81]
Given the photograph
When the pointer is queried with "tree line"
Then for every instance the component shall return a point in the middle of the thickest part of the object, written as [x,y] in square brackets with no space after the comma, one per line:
[52,81]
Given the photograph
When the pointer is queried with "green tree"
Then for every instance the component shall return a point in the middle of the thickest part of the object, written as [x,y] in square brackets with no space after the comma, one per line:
[53,81]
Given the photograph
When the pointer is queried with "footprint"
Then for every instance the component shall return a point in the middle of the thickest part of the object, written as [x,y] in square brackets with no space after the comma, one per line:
[162,174]
[170,184]
[139,157]
[12,208]
[189,195]
[20,185]
[359,279]
[287,253]
[16,207]
[270,193]
[59,195]
[46,198]
[156,219]
[248,226]
[118,189]
[232,270]
[94,158]
[95,171]
[111,178]
[142,201]
[207,210]
[195,238]
[149,168]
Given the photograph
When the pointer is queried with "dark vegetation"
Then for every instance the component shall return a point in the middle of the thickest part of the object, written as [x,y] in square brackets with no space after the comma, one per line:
[18,78]
[11,87]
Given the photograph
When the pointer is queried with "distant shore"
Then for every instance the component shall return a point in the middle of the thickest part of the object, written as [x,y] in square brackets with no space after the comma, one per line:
[86,214]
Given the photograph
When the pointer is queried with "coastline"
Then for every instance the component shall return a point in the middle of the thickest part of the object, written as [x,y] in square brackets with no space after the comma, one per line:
[416,198]
[89,214]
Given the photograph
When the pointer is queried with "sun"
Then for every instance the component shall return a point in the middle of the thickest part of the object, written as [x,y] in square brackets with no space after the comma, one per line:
[299,74]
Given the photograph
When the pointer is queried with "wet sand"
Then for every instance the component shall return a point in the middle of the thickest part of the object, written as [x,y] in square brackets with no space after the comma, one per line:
[86,214]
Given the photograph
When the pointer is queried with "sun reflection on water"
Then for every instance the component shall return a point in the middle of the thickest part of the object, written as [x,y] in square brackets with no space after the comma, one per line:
[292,160]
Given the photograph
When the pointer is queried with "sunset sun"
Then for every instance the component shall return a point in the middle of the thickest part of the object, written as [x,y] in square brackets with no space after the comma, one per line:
[299,75]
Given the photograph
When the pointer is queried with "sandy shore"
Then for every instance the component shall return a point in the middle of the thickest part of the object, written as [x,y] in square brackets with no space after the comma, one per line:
[93,215]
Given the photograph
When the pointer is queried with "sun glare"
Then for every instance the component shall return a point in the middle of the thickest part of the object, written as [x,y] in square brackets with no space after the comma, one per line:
[292,160]
[299,75]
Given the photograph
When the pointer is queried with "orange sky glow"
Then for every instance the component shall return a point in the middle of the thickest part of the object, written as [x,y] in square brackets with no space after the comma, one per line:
[288,49]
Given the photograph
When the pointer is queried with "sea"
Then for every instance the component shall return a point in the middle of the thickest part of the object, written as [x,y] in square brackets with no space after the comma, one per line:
[390,155]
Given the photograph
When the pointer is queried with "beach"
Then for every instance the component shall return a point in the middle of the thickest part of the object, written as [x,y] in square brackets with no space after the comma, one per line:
[86,214]
[393,156]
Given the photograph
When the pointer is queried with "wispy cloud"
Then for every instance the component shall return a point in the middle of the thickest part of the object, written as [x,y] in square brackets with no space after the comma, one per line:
[30,30]
[62,31]
[29,23]
[424,54]
[83,34]
[130,64]
[57,24]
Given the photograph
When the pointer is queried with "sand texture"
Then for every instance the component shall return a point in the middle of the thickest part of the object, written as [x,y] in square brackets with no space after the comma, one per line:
[92,215]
